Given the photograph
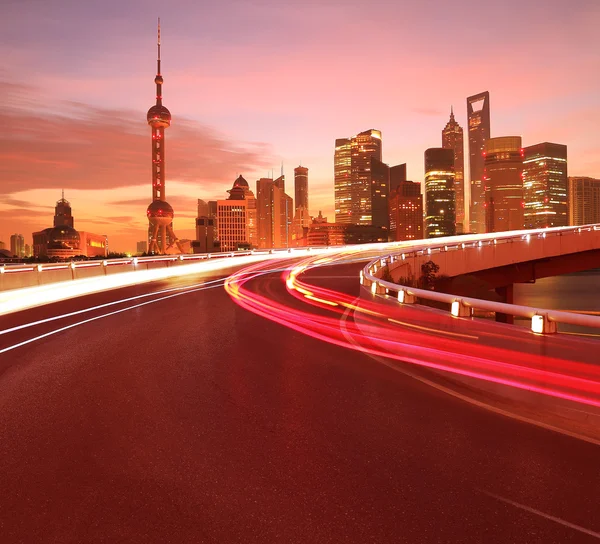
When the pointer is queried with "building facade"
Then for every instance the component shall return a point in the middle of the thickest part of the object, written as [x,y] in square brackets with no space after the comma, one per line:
[406,212]
[583,200]
[301,188]
[545,185]
[274,214]
[452,138]
[62,241]
[17,245]
[397,176]
[379,193]
[440,215]
[503,182]
[478,115]
[352,177]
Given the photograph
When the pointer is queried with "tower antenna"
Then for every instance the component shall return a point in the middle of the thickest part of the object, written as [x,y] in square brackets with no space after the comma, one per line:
[158,45]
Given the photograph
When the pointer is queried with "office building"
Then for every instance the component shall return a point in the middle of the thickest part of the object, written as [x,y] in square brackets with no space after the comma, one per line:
[233,219]
[274,213]
[301,188]
[205,230]
[17,245]
[545,185]
[478,116]
[440,217]
[583,200]
[452,138]
[141,247]
[397,176]
[503,184]
[352,172]
[406,212]
[379,193]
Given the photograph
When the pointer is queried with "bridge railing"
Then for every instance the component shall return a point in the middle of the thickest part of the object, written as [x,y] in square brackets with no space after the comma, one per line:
[22,275]
[543,320]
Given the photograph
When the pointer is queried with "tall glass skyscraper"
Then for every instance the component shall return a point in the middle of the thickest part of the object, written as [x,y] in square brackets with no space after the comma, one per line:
[452,138]
[545,185]
[478,113]
[440,215]
[353,177]
[503,180]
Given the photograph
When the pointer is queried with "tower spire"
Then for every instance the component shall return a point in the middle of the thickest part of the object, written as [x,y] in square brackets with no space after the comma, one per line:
[158,45]
[452,112]
[158,79]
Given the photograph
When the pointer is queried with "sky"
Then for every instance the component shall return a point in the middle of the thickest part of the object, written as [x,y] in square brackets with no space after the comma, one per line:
[254,85]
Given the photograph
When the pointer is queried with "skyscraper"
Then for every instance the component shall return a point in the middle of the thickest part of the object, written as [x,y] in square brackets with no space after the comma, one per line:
[440,219]
[406,212]
[160,212]
[301,187]
[452,138]
[342,166]
[583,200]
[503,180]
[352,170]
[232,215]
[397,176]
[274,213]
[545,185]
[478,113]
[17,245]
[379,193]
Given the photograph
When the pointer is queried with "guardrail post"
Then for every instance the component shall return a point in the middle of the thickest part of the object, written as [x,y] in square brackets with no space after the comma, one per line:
[459,309]
[405,298]
[540,324]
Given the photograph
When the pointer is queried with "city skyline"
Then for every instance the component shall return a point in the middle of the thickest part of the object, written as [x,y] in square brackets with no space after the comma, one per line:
[77,122]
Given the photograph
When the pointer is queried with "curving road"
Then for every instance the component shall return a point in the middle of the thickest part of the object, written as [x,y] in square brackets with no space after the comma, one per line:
[182,417]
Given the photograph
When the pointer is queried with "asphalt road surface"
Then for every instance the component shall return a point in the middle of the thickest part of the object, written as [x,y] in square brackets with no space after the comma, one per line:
[190,419]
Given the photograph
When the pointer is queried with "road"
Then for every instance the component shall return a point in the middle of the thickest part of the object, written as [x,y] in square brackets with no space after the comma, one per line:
[190,419]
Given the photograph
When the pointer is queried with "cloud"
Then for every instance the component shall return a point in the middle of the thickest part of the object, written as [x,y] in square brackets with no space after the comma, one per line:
[72,145]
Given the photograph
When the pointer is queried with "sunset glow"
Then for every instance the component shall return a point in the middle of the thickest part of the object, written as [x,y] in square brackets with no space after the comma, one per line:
[253,85]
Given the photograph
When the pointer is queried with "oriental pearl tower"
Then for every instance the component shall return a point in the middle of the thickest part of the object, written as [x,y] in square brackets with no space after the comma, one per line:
[160,213]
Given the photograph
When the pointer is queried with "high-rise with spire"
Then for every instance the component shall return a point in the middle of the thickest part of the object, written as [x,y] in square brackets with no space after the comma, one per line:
[160,213]
[452,138]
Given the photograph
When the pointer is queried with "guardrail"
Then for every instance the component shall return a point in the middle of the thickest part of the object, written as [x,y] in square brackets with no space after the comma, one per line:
[543,321]
[17,276]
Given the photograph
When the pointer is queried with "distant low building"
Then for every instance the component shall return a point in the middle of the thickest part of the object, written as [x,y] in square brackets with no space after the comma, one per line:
[62,241]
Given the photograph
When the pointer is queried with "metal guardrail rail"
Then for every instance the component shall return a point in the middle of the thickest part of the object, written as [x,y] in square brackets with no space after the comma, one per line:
[543,321]
[23,275]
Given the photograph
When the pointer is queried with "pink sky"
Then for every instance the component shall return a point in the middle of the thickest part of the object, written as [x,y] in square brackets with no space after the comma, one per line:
[253,84]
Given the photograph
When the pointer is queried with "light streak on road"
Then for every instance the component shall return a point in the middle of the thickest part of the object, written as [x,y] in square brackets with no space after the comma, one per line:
[205,285]
[30,297]
[425,346]
[163,295]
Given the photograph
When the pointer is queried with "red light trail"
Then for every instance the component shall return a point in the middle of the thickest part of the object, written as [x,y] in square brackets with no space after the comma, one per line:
[385,331]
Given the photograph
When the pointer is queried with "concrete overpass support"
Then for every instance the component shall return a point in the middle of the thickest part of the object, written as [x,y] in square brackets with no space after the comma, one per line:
[506,294]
